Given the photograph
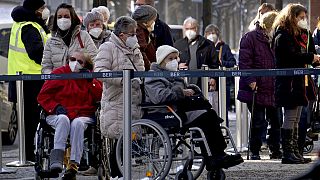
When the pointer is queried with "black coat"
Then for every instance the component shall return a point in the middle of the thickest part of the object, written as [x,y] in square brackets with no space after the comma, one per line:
[162,33]
[292,91]
[206,53]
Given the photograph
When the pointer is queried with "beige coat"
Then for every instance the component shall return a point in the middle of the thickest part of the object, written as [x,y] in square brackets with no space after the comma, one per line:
[56,51]
[114,56]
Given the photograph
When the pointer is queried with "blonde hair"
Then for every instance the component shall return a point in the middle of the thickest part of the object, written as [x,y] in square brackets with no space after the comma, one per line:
[267,19]
[286,18]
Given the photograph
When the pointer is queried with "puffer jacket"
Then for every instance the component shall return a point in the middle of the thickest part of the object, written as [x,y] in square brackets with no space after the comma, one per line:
[104,37]
[161,90]
[56,51]
[115,56]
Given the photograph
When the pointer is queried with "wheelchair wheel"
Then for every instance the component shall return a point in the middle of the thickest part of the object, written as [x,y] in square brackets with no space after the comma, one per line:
[184,175]
[181,153]
[151,151]
[216,175]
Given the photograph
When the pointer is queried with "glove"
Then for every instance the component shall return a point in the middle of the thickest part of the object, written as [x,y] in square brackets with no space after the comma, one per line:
[61,110]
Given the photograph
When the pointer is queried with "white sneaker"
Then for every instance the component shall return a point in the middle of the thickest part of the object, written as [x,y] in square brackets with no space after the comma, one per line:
[89,172]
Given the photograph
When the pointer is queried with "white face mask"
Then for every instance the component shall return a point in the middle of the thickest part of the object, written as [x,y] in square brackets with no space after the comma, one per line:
[64,23]
[131,41]
[75,66]
[172,65]
[303,24]
[45,14]
[213,38]
[95,32]
[191,34]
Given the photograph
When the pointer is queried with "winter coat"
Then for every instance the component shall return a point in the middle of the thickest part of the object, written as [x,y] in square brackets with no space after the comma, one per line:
[77,96]
[104,37]
[206,53]
[316,39]
[227,58]
[292,91]
[162,33]
[56,51]
[147,46]
[115,56]
[162,90]
[255,53]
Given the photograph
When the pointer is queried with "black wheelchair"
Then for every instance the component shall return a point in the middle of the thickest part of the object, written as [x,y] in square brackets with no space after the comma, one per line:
[163,149]
[44,139]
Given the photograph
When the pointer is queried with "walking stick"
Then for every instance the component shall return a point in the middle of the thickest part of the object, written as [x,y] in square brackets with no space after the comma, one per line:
[250,124]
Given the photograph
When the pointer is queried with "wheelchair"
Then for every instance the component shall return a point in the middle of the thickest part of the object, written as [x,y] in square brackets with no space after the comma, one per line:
[44,140]
[163,149]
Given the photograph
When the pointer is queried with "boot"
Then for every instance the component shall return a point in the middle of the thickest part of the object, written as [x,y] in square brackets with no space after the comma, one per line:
[288,156]
[56,160]
[296,149]
[273,140]
[223,161]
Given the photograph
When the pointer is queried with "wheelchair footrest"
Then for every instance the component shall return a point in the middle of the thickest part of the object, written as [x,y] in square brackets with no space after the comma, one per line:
[47,174]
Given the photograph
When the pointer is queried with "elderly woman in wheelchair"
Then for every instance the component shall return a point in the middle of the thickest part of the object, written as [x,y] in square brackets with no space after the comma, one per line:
[175,92]
[70,106]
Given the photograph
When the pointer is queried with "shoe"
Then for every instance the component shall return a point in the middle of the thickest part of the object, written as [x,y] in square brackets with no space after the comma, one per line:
[288,155]
[89,172]
[255,157]
[224,161]
[276,155]
[56,160]
[70,174]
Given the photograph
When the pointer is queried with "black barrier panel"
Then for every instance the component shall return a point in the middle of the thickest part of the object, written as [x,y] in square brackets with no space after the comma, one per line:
[198,73]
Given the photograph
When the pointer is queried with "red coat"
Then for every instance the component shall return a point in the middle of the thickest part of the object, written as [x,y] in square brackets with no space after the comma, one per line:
[77,96]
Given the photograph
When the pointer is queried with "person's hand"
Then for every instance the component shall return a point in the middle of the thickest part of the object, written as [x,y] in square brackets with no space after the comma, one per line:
[183,66]
[316,59]
[253,85]
[212,85]
[188,92]
[61,110]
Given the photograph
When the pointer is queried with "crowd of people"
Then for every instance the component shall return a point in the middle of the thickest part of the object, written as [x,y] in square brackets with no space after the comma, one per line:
[143,42]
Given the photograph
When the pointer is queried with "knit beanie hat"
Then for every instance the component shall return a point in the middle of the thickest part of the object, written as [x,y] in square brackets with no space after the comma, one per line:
[144,13]
[164,51]
[33,5]
[92,16]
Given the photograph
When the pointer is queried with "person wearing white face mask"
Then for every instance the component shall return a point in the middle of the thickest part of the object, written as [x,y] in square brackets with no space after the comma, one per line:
[93,21]
[120,52]
[195,50]
[28,37]
[67,37]
[172,91]
[145,16]
[294,48]
[70,105]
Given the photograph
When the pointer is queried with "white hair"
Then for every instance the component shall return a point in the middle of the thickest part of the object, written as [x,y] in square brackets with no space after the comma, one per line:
[103,10]
[191,20]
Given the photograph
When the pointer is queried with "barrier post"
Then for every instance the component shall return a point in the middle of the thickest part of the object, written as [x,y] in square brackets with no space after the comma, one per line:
[2,170]
[222,98]
[21,130]
[127,76]
[204,82]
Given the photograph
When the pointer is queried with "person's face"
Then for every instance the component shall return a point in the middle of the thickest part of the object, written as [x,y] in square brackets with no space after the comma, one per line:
[63,13]
[209,33]
[95,24]
[301,16]
[78,56]
[39,11]
[124,36]
[170,57]
[190,26]
[140,2]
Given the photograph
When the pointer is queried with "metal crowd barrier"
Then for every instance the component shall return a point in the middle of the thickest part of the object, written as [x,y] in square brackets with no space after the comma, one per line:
[127,75]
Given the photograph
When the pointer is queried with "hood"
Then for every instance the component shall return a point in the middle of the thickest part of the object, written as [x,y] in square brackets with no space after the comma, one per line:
[20,14]
[156,67]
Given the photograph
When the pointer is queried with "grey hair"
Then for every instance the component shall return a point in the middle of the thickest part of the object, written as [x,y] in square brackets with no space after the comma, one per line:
[212,28]
[191,20]
[124,24]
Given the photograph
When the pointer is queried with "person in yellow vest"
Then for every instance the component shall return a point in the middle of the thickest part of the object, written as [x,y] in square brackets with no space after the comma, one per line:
[27,40]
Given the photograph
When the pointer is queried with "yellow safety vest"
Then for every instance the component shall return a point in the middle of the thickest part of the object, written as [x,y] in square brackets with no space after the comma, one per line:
[18,59]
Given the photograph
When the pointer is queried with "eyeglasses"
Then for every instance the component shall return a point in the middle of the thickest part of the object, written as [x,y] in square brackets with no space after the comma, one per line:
[75,59]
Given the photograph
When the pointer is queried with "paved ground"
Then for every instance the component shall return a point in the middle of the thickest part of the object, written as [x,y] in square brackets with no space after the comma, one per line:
[263,169]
